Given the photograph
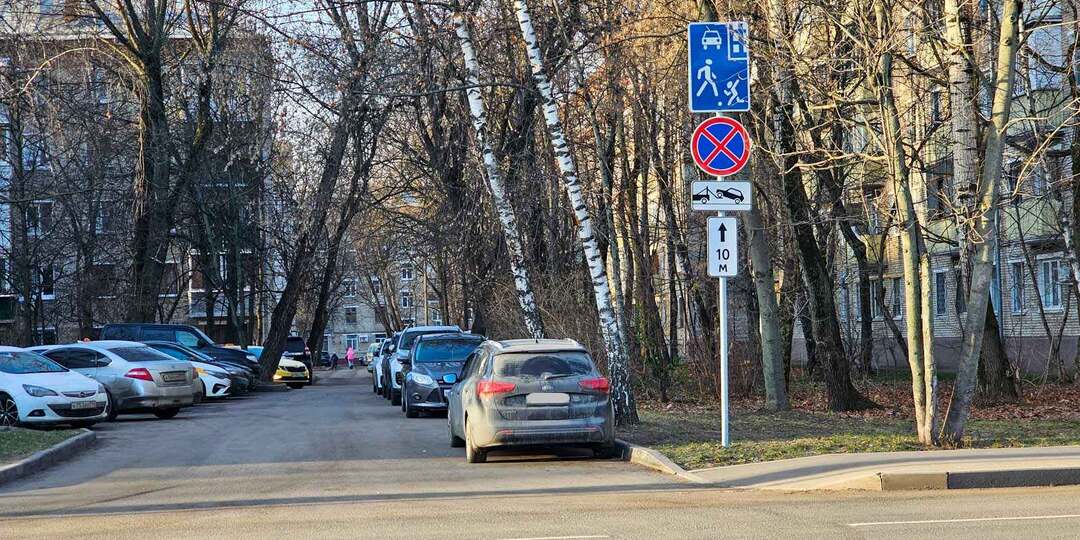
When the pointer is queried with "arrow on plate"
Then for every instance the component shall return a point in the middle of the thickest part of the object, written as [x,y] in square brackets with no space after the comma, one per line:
[723,229]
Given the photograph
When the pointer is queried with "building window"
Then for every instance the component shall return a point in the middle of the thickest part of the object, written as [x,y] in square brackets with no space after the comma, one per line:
[941,294]
[936,117]
[898,298]
[39,218]
[170,279]
[352,340]
[46,281]
[104,278]
[349,287]
[107,220]
[1051,276]
[876,291]
[845,297]
[435,316]
[351,315]
[938,199]
[1016,290]
[406,272]
[406,299]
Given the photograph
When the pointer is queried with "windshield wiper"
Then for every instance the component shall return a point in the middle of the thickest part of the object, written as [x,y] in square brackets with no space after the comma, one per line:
[548,377]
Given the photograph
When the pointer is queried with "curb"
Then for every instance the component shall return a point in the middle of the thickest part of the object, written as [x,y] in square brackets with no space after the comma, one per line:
[48,457]
[652,459]
[1069,476]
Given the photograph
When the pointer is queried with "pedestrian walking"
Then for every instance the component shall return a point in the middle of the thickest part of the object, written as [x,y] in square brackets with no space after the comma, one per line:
[333,361]
[350,356]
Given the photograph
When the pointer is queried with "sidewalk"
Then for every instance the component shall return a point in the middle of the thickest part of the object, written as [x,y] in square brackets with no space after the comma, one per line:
[939,469]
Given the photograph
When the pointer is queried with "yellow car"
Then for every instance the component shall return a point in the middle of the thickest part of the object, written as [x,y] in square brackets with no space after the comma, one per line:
[293,373]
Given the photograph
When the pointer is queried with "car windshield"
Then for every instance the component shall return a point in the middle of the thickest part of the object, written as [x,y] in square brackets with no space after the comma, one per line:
[18,363]
[445,350]
[140,354]
[543,365]
[410,337]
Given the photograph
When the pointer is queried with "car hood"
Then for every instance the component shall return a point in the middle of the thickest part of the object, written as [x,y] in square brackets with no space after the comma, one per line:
[66,381]
[288,362]
[438,370]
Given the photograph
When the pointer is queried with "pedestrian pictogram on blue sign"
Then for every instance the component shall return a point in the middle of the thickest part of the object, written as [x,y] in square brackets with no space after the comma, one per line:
[719,65]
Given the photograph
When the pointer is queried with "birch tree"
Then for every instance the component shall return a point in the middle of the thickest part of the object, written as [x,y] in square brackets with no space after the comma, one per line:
[618,368]
[988,194]
[503,209]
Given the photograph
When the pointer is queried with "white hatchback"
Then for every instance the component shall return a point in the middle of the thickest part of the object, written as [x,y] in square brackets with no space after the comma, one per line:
[36,390]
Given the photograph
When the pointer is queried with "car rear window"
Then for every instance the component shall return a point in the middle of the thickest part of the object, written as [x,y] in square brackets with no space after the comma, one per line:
[19,363]
[294,345]
[542,365]
[141,354]
[445,350]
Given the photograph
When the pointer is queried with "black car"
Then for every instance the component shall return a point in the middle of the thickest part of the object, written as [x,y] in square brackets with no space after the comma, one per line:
[433,366]
[241,378]
[186,335]
[296,348]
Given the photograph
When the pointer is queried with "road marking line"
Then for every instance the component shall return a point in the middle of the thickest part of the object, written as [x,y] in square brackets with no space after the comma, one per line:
[963,520]
[557,537]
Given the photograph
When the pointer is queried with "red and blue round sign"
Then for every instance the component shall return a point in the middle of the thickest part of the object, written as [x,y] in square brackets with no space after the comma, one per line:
[720,146]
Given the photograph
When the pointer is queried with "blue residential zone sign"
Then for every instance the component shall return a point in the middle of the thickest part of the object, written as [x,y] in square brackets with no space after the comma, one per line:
[719,64]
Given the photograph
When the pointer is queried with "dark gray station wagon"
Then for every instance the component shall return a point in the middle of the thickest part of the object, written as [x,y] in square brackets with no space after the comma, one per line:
[529,392]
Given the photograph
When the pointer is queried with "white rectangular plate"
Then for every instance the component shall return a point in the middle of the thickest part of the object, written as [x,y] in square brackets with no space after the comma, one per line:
[547,398]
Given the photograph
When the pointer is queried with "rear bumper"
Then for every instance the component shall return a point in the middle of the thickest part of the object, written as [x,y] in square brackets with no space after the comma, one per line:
[155,397]
[587,431]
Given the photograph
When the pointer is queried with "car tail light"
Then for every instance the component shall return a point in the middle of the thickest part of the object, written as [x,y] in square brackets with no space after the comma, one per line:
[598,384]
[139,373]
[491,388]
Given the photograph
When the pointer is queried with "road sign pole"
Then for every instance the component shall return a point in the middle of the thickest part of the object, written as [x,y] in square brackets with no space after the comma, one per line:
[725,439]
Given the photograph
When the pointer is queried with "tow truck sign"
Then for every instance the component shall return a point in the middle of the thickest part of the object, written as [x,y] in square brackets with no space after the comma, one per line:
[720,196]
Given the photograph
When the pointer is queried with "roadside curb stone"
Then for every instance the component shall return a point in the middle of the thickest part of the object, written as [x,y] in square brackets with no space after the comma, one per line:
[655,460]
[48,457]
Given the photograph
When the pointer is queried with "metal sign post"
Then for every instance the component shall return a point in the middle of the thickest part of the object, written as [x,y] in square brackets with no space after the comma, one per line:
[719,81]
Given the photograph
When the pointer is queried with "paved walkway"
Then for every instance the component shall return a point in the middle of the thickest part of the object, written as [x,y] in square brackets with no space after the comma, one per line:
[861,471]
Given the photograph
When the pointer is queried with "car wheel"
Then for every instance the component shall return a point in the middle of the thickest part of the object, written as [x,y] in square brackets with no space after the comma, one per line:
[395,397]
[295,385]
[9,411]
[110,406]
[166,414]
[605,451]
[374,385]
[472,453]
[455,441]
[409,411]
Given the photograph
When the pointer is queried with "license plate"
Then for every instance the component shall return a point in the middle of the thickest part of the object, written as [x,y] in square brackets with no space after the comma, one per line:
[173,376]
[79,405]
[547,398]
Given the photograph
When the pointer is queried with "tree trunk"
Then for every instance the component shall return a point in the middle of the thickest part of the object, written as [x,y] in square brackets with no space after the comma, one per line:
[533,321]
[983,268]
[772,349]
[618,365]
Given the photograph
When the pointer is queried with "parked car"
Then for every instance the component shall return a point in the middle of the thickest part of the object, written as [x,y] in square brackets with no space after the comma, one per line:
[294,373]
[401,351]
[137,378]
[36,390]
[296,349]
[241,379]
[186,335]
[212,383]
[382,366]
[530,392]
[368,357]
[432,368]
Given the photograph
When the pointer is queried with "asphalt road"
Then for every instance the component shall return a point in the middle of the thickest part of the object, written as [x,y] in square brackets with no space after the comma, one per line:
[334,461]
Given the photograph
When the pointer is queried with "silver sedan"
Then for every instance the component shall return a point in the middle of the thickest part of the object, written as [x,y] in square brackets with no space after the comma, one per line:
[137,378]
